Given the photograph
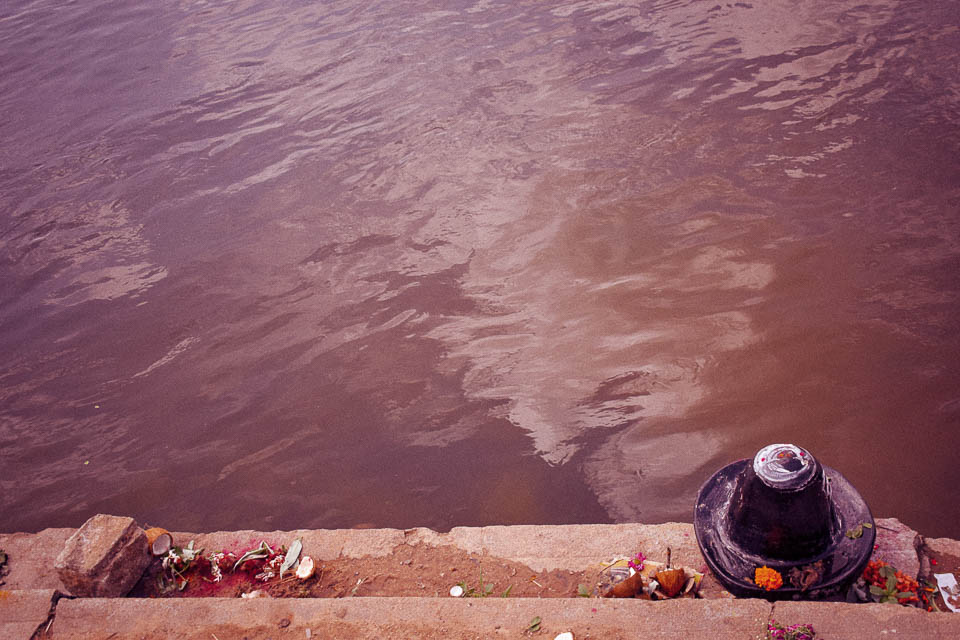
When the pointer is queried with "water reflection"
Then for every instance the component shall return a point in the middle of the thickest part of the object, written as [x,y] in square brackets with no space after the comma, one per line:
[300,264]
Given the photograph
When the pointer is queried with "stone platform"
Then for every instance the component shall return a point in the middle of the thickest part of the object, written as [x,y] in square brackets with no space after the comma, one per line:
[32,604]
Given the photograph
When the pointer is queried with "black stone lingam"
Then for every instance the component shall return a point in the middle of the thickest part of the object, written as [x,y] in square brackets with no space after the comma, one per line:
[787,512]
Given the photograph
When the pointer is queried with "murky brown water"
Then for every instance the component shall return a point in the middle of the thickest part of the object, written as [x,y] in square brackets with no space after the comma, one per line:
[321,264]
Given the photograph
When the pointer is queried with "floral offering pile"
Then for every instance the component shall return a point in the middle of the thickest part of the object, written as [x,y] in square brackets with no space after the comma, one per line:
[776,631]
[260,564]
[639,577]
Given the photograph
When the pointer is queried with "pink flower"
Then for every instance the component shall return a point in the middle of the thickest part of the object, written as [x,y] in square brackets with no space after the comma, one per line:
[637,562]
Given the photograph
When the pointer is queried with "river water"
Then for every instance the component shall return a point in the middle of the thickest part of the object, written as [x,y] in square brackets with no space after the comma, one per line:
[279,264]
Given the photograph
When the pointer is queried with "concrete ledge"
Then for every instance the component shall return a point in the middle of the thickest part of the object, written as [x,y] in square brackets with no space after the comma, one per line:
[31,558]
[542,548]
[447,618]
[577,547]
[32,583]
[837,620]
[23,612]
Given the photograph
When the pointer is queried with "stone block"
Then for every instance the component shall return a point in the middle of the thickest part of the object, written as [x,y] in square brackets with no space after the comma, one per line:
[897,545]
[104,558]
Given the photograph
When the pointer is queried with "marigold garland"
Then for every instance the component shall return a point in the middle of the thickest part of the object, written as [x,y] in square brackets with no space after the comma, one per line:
[768,578]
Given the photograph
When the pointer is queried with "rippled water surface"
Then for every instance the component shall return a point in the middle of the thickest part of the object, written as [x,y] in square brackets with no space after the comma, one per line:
[278,264]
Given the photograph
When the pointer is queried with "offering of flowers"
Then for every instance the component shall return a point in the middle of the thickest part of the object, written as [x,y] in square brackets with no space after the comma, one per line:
[261,563]
[886,584]
[767,578]
[178,561]
[652,580]
[776,631]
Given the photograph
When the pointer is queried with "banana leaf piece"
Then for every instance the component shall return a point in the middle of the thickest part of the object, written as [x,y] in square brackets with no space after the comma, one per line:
[263,551]
[292,556]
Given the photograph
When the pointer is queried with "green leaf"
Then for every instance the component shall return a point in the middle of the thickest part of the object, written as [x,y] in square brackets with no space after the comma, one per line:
[534,624]
[906,594]
[583,591]
[291,557]
[507,592]
[868,525]
[856,532]
[891,584]
[259,553]
[877,591]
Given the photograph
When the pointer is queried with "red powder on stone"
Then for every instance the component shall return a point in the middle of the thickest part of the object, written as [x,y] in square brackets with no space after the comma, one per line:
[226,588]
[202,586]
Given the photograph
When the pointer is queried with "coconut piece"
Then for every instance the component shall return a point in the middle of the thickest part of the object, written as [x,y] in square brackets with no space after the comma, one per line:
[671,581]
[159,541]
[627,588]
[306,567]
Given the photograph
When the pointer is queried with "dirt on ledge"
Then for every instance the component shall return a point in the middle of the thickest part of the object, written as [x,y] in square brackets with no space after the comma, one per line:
[411,570]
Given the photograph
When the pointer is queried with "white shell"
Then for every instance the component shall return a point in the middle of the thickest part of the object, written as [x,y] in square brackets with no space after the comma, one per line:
[162,544]
[306,567]
[566,635]
[456,591]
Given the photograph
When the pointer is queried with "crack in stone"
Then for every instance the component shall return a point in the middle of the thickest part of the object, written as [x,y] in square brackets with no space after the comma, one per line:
[770,619]
[42,631]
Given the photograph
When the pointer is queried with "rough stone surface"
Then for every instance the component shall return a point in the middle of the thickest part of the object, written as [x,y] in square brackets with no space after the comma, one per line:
[897,545]
[944,551]
[835,620]
[937,547]
[22,612]
[31,557]
[427,618]
[104,558]
[579,547]
[574,547]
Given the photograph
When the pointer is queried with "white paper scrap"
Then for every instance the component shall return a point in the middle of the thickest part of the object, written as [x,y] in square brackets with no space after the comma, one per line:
[949,589]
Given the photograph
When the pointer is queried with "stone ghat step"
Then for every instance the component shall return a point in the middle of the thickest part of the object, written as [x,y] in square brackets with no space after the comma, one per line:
[435,618]
[540,547]
[29,599]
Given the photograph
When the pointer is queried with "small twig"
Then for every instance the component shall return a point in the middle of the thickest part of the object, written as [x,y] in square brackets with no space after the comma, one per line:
[215,636]
[602,569]
[537,583]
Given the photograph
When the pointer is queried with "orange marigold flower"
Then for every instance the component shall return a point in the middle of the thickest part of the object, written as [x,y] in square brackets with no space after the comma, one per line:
[768,578]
